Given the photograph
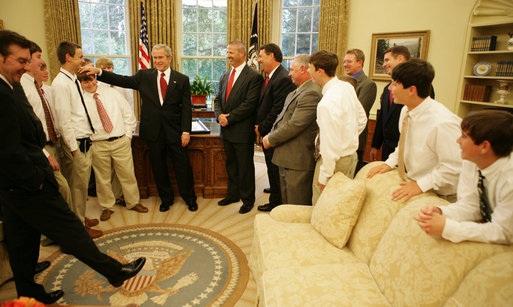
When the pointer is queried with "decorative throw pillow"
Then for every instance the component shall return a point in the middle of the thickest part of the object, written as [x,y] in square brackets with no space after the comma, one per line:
[338,207]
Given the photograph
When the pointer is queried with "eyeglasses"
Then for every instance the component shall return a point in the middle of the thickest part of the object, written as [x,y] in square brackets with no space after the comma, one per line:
[22,61]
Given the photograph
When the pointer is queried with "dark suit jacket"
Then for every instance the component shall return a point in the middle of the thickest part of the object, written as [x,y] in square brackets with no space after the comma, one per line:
[24,166]
[293,135]
[271,102]
[174,116]
[366,91]
[387,124]
[241,105]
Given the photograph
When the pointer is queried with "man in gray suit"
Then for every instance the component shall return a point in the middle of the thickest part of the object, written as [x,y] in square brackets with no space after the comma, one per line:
[293,136]
[365,90]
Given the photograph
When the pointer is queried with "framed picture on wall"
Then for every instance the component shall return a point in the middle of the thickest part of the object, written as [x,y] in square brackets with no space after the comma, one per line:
[416,42]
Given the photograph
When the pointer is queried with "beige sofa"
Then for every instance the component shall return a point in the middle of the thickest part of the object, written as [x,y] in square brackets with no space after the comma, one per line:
[387,261]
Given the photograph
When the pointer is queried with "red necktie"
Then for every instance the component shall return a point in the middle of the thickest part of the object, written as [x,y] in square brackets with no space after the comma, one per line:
[104,117]
[48,116]
[163,86]
[230,84]
[391,100]
[265,85]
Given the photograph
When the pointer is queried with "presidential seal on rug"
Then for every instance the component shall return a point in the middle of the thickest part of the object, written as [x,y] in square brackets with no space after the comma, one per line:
[185,266]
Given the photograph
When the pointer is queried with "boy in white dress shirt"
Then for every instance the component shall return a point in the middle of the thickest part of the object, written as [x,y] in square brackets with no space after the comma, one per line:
[430,159]
[114,123]
[484,210]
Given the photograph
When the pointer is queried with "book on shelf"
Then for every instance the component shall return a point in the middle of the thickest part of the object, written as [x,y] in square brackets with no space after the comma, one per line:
[504,69]
[483,43]
[475,92]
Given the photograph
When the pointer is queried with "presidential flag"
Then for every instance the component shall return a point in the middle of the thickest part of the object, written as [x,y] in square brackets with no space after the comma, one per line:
[253,43]
[144,57]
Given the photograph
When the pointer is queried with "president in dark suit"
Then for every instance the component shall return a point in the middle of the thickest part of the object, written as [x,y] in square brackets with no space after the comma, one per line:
[293,136]
[275,89]
[235,106]
[29,194]
[166,116]
[387,133]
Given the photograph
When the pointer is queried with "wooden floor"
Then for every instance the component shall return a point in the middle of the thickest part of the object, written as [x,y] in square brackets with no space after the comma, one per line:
[224,220]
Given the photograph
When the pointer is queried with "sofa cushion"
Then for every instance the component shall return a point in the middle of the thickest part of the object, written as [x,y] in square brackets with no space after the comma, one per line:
[292,213]
[338,207]
[283,244]
[322,285]
[412,268]
[488,284]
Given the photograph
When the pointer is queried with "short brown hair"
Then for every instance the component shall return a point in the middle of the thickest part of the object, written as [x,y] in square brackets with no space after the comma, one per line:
[358,54]
[326,60]
[493,126]
[415,72]
[66,48]
[84,76]
[8,38]
[274,49]
[104,63]
[399,50]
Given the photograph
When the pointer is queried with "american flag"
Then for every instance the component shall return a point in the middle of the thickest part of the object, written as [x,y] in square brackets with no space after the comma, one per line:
[144,58]
[253,43]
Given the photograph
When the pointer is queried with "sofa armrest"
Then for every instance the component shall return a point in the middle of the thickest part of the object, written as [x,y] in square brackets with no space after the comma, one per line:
[292,213]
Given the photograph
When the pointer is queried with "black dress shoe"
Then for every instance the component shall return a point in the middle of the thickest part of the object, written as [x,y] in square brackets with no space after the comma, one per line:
[41,266]
[245,208]
[164,206]
[50,298]
[267,207]
[267,190]
[227,201]
[128,270]
[193,206]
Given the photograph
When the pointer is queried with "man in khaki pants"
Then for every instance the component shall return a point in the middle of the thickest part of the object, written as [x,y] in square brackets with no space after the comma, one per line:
[113,122]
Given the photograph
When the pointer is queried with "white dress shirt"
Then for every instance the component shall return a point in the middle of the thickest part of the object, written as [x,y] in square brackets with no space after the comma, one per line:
[463,218]
[341,118]
[119,112]
[126,93]
[432,157]
[27,82]
[71,114]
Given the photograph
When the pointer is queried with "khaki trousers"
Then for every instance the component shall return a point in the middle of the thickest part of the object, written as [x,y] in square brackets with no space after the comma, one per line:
[346,165]
[77,171]
[63,183]
[115,155]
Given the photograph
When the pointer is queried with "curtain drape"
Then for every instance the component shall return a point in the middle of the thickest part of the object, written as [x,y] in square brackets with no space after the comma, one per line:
[333,28]
[240,20]
[62,22]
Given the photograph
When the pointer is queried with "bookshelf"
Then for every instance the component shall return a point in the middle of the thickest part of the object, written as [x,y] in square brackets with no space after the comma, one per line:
[482,26]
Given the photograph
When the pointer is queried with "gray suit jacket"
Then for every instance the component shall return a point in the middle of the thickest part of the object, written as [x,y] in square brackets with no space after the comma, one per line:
[295,128]
[366,91]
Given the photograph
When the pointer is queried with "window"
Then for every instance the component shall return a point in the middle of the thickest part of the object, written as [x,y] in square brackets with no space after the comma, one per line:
[299,28]
[203,41]
[105,33]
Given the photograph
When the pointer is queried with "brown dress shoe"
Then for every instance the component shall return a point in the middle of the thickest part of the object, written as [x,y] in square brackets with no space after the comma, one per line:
[139,208]
[106,213]
[91,222]
[94,233]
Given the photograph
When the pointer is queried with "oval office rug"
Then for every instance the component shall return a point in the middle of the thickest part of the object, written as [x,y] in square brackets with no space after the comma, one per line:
[185,266]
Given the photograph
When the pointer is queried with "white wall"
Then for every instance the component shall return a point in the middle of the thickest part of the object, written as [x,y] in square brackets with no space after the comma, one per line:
[27,18]
[446,19]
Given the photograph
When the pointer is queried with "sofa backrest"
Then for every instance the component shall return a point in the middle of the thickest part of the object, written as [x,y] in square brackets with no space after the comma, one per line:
[377,212]
[412,268]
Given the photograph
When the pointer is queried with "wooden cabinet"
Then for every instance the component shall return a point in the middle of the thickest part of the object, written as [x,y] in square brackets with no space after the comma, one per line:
[485,22]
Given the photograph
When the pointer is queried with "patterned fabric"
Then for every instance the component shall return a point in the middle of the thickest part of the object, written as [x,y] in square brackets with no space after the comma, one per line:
[322,285]
[402,140]
[413,269]
[484,205]
[488,284]
[102,113]
[292,213]
[337,210]
[163,86]
[48,115]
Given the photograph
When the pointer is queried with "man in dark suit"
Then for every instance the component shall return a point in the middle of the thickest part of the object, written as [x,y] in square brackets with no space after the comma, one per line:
[29,194]
[293,136]
[235,106]
[166,116]
[387,120]
[365,90]
[275,89]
